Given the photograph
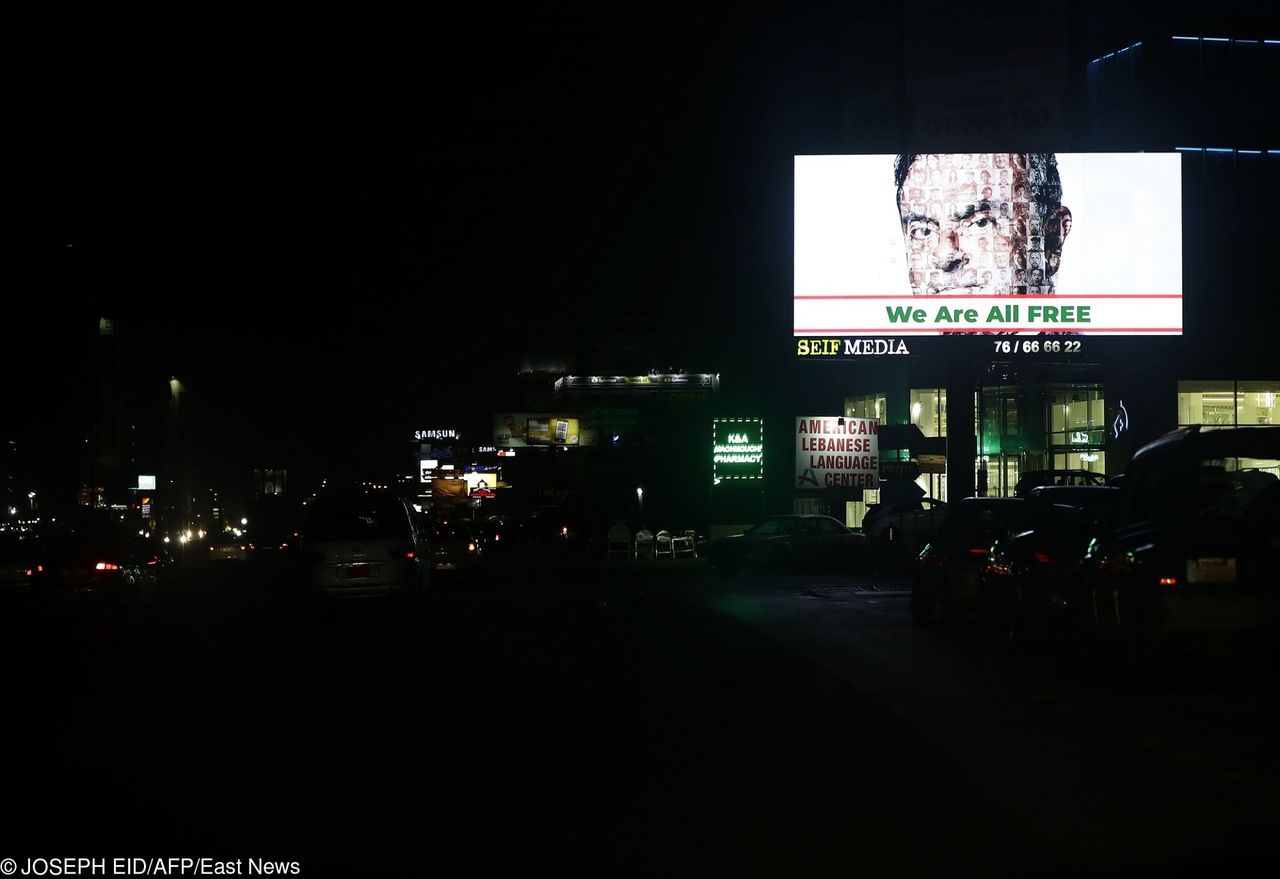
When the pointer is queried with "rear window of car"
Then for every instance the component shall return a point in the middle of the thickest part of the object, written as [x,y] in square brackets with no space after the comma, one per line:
[968,521]
[452,533]
[1229,488]
[356,519]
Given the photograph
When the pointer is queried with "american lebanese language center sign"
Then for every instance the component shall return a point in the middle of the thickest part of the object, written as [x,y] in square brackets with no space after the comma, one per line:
[834,455]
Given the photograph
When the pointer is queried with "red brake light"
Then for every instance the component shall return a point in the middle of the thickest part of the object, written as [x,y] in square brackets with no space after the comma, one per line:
[1042,558]
[1168,581]
[409,554]
[106,566]
[978,550]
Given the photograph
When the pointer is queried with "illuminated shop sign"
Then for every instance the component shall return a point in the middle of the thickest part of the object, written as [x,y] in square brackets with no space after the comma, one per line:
[837,452]
[660,381]
[737,448]
[953,244]
[147,483]
[435,433]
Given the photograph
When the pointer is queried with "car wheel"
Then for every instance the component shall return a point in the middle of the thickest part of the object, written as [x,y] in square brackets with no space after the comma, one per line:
[1144,663]
[1016,625]
[928,602]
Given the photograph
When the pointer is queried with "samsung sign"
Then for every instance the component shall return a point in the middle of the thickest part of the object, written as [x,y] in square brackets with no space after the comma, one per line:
[934,244]
[435,433]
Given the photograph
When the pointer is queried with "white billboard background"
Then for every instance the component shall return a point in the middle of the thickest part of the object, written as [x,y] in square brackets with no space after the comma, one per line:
[1125,240]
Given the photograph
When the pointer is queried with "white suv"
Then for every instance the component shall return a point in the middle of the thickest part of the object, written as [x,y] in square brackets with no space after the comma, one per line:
[364,545]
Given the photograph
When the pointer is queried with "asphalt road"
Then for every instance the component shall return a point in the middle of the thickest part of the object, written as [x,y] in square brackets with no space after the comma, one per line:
[567,719]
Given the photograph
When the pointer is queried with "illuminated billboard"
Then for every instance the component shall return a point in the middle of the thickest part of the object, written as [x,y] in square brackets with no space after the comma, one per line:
[834,452]
[737,448]
[521,429]
[978,243]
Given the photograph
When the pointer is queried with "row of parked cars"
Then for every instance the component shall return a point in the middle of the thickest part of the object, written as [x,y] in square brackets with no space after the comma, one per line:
[1181,556]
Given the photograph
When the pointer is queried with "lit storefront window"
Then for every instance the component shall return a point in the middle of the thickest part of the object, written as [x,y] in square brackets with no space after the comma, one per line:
[1001,440]
[868,406]
[1077,428]
[1228,403]
[929,413]
[865,406]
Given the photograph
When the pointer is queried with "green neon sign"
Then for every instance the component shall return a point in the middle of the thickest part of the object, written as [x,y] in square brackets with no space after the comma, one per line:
[737,448]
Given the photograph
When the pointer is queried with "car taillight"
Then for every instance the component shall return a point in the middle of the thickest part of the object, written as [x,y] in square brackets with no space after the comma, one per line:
[409,554]
[106,566]
[978,550]
[243,547]
[251,546]
[1168,581]
[1042,558]
[497,537]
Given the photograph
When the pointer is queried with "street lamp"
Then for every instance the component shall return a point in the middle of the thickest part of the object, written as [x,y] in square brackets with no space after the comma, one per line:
[31,501]
[640,498]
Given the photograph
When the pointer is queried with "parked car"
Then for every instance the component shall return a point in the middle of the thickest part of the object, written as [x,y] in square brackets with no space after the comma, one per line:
[458,548]
[1033,479]
[1031,579]
[910,524]
[363,545]
[91,562]
[947,578]
[787,542]
[1193,556]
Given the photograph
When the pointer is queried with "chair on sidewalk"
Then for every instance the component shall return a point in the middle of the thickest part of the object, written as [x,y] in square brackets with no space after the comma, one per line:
[684,544]
[644,543]
[662,545]
[619,541]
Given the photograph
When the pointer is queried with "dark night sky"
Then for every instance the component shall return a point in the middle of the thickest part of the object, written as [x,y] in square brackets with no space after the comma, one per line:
[335,237]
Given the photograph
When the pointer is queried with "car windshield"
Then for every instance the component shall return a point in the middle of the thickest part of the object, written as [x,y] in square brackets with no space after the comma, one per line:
[356,519]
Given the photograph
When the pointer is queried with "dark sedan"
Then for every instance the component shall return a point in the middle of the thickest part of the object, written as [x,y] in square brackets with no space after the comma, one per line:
[794,542]
[458,549]
[948,573]
[1031,578]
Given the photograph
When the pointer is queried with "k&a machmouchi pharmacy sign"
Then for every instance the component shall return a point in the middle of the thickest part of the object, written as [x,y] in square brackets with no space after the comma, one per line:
[737,448]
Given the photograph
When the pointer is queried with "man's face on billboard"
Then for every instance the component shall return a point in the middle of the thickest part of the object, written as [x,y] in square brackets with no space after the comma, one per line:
[948,243]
